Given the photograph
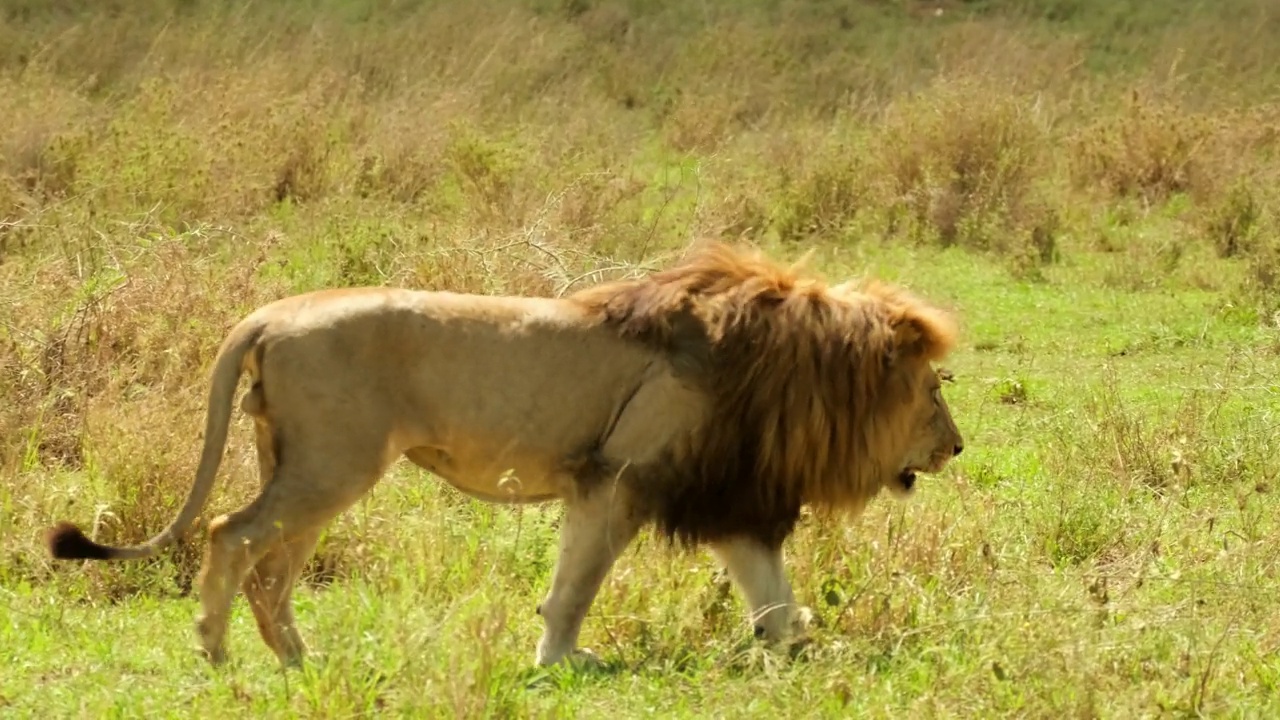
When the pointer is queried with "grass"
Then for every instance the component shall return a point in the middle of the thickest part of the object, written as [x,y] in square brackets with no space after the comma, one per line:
[1091,185]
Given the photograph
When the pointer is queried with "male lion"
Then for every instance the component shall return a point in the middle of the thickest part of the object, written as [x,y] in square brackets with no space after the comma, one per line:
[712,399]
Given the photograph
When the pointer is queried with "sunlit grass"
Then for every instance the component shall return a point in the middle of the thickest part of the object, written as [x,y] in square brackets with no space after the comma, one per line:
[1092,188]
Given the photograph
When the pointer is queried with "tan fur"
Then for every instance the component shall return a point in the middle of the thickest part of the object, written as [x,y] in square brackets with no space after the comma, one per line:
[713,399]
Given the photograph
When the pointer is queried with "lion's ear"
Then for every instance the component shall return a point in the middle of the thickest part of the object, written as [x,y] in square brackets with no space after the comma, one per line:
[922,331]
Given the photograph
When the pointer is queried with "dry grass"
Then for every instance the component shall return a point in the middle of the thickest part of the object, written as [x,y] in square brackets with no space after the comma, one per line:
[165,169]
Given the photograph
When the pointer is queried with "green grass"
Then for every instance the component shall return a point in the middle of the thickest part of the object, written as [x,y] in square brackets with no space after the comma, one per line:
[1061,567]
[1104,220]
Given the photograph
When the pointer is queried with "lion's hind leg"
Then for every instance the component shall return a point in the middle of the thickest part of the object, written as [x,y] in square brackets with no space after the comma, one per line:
[269,588]
[236,542]
[312,484]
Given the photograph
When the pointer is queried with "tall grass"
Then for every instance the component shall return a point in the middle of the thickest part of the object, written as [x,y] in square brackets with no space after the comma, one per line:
[166,166]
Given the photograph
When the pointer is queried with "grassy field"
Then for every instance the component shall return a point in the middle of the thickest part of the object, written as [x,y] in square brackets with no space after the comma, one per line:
[1092,185]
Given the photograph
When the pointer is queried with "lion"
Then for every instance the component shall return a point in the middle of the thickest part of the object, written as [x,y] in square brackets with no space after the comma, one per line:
[711,400]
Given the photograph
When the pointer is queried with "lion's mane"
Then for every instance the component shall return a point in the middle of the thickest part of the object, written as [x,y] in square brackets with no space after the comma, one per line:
[803,379]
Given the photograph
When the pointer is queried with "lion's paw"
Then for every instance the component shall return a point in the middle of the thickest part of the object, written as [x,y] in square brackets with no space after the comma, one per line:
[215,658]
[579,659]
[804,620]
[584,659]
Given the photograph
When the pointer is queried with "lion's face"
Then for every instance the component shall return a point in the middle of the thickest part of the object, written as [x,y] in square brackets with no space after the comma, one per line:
[932,436]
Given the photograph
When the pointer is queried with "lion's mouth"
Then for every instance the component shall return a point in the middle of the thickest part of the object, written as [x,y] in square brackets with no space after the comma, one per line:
[907,478]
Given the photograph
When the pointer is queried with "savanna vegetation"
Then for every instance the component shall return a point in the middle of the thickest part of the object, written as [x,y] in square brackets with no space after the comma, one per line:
[1092,185]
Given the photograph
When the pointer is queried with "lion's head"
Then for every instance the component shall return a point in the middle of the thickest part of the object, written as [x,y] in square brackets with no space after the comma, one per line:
[925,428]
[935,439]
[819,395]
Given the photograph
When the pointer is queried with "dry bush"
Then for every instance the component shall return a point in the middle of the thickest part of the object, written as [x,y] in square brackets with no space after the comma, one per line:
[324,110]
[1156,153]
[588,209]
[105,370]
[1152,149]
[964,164]
[1235,222]
[39,116]
[820,185]
[1150,152]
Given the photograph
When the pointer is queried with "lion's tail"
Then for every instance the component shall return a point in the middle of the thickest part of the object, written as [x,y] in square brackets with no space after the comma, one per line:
[68,542]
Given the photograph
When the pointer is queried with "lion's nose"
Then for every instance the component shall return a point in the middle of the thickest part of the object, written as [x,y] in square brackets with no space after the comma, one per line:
[959,449]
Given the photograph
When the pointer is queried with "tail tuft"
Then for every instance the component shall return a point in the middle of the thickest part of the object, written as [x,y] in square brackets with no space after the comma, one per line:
[67,542]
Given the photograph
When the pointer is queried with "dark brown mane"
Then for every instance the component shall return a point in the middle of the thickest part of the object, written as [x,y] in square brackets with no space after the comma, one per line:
[802,378]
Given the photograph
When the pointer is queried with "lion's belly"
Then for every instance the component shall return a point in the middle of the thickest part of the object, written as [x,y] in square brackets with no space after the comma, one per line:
[508,479]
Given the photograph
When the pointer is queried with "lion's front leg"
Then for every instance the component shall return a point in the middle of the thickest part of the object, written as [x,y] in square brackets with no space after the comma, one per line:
[595,531]
[759,573]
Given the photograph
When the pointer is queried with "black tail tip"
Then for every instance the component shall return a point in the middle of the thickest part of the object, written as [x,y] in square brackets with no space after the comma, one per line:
[67,542]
